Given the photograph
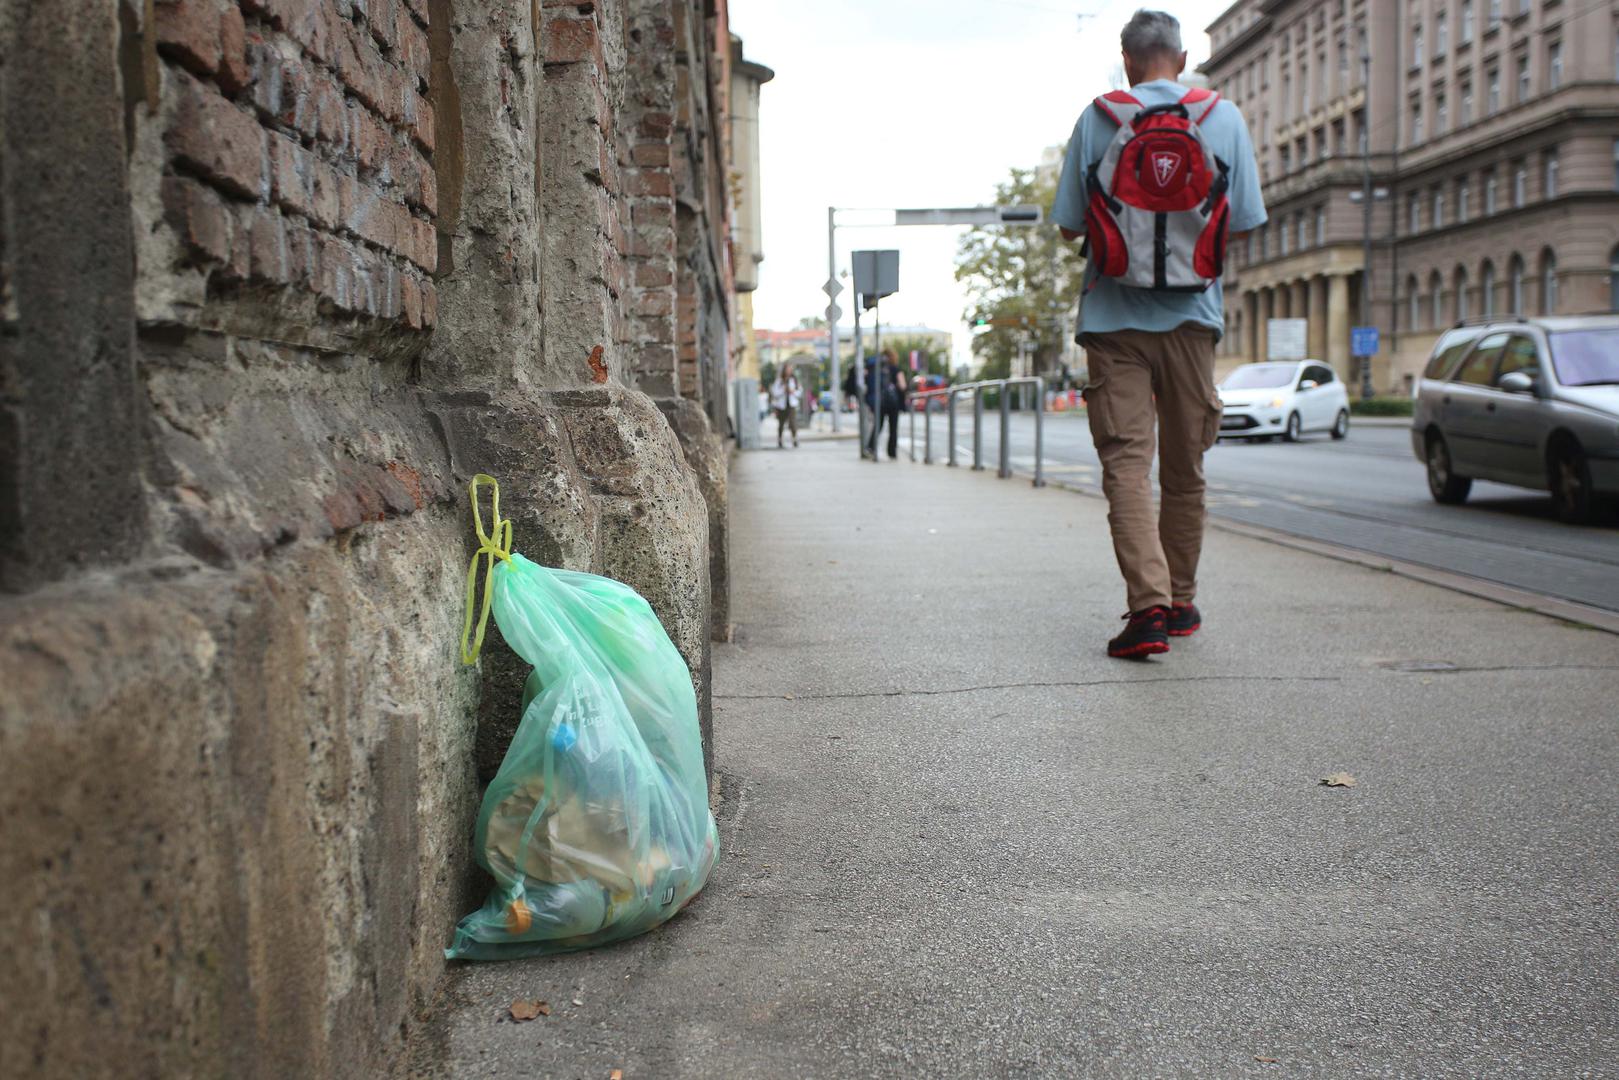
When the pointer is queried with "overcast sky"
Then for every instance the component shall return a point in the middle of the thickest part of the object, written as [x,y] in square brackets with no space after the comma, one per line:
[913,103]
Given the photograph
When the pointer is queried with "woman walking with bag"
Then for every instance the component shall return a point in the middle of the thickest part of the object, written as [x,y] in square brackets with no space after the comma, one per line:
[785,394]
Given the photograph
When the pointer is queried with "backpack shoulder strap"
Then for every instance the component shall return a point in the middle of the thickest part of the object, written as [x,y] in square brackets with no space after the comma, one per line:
[1119,106]
[1199,103]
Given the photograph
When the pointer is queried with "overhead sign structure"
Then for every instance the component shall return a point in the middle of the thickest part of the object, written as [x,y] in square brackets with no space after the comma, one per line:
[1363,341]
[1026,214]
[1285,338]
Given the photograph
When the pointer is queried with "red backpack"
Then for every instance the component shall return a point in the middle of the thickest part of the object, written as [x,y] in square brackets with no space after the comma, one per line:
[1157,216]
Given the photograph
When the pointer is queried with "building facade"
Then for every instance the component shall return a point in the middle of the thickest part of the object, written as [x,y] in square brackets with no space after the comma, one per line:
[1491,130]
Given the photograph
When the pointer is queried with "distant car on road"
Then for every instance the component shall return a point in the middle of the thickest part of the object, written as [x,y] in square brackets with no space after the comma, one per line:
[923,383]
[1286,398]
[1531,402]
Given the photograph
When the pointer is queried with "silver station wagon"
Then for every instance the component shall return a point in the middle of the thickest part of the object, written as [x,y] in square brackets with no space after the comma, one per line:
[1532,402]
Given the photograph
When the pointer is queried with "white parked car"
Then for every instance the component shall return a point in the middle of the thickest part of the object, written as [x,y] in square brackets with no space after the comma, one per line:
[1286,398]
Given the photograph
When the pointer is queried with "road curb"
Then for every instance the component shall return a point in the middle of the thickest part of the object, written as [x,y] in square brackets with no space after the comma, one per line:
[1552,606]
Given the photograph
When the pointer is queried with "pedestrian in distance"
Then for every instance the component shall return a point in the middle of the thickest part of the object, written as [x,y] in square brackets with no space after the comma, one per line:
[885,395]
[1157,179]
[785,396]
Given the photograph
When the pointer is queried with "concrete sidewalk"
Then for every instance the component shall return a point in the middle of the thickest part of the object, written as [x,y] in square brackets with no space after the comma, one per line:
[960,841]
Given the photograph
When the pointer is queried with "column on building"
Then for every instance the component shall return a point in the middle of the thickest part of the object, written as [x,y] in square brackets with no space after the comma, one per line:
[1299,294]
[1267,312]
[1338,327]
[1318,317]
[1250,323]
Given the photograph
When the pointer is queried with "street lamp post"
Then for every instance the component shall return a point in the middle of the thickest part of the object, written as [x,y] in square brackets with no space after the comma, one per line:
[1365,206]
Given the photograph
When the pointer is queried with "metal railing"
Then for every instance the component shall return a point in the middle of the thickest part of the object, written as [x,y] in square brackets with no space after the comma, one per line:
[976,389]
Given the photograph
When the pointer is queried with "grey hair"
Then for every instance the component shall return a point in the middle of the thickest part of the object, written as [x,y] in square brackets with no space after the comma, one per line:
[1150,32]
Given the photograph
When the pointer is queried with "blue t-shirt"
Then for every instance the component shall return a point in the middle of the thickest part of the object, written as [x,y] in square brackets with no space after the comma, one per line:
[1111,306]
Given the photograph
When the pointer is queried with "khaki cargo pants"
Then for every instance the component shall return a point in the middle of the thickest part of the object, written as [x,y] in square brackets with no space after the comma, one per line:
[1139,378]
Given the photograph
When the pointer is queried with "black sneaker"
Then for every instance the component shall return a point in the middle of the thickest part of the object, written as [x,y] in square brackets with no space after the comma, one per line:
[1145,634]
[1184,620]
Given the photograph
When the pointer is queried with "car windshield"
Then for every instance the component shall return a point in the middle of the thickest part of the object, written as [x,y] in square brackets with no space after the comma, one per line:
[1259,377]
[1587,357]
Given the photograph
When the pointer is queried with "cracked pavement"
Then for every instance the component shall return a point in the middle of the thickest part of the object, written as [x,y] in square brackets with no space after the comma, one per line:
[960,841]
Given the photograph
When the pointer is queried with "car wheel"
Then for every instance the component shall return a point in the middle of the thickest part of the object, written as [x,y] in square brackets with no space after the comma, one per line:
[1340,426]
[1294,428]
[1443,484]
[1571,484]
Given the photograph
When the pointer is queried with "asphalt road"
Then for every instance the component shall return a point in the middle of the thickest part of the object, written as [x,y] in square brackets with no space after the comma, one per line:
[1367,492]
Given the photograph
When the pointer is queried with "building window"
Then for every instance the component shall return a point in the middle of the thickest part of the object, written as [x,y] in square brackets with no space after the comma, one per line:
[1304,236]
[1287,239]
[1492,93]
[1439,208]
[1466,116]
[1413,213]
[1320,226]
[1441,114]
[1551,175]
[1436,298]
[1466,33]
[1416,121]
[1287,159]
[1304,86]
[1248,255]
[1489,193]
[1287,94]
[1554,65]
[1339,145]
[1520,185]
[1414,299]
[1548,282]
[1486,290]
[1613,280]
[1343,61]
[1264,241]
[1441,34]
[1461,293]
[1616,164]
[1523,78]
[1464,200]
[1416,46]
[1515,284]
[1495,14]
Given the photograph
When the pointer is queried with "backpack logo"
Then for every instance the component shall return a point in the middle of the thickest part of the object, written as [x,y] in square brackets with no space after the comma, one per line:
[1165,165]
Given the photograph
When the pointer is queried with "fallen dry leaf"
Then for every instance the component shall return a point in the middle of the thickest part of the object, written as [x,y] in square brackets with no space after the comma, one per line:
[616,1074]
[1338,779]
[528,1008]
[576,1001]
[1266,1060]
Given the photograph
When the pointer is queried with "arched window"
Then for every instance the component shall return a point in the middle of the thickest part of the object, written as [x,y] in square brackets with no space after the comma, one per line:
[1515,284]
[1461,293]
[1436,297]
[1414,300]
[1548,282]
[1486,290]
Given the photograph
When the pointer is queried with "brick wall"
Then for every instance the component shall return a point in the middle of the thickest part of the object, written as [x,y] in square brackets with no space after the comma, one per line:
[299,141]
[276,278]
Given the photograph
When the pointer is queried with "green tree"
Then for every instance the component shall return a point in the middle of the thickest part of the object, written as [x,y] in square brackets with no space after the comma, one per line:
[1014,272]
[933,359]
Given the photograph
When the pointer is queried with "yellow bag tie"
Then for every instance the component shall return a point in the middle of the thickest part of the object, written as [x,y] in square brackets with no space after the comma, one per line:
[498,546]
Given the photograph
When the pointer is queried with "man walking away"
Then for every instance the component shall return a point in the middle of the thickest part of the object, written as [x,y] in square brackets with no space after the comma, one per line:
[1155,179]
[785,395]
[887,383]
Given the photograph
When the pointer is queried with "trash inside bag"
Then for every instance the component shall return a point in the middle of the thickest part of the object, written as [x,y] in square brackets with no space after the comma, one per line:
[597,826]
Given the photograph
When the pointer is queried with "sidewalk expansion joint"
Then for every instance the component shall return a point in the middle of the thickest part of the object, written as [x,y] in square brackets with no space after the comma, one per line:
[851,694]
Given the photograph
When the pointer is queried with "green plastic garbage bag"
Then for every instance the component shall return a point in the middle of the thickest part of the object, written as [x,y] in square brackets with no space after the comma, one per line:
[597,826]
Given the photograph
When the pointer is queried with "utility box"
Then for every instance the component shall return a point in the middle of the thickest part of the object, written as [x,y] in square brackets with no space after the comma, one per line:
[745,412]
